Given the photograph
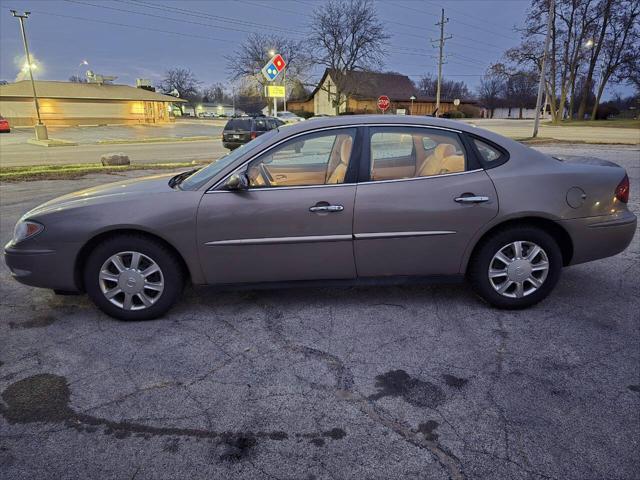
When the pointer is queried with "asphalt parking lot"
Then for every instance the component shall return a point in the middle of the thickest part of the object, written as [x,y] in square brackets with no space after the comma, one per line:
[377,382]
[86,135]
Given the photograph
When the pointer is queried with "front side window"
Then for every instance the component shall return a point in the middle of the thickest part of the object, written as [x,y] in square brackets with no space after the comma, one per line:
[408,152]
[314,159]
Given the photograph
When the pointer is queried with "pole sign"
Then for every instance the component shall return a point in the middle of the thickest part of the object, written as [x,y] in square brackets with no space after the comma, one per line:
[274,91]
[384,103]
[273,67]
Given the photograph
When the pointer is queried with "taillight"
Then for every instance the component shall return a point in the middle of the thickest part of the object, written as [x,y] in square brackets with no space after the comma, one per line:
[254,135]
[622,190]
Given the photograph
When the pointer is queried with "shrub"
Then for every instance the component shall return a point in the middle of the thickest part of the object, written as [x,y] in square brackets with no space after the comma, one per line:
[303,113]
[470,111]
[453,114]
[605,111]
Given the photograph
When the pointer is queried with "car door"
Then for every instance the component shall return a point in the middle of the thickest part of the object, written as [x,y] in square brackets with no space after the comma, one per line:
[424,198]
[294,222]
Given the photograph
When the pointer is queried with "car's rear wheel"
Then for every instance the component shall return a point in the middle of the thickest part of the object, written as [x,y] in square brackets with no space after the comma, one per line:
[515,267]
[133,277]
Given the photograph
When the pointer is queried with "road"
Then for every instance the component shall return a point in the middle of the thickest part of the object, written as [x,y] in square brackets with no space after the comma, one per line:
[25,154]
[320,383]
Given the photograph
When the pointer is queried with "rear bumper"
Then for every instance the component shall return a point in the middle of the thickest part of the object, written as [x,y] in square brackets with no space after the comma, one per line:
[41,268]
[232,145]
[600,237]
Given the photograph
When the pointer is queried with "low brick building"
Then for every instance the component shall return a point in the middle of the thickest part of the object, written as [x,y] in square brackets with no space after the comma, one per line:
[363,89]
[68,103]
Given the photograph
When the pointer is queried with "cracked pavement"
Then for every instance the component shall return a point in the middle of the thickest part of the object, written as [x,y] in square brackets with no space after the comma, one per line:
[315,383]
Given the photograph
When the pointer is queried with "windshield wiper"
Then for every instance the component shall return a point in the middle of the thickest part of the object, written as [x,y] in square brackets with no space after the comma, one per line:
[179,178]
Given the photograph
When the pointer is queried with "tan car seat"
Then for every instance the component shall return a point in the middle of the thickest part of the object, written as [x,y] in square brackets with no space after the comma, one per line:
[442,160]
[340,170]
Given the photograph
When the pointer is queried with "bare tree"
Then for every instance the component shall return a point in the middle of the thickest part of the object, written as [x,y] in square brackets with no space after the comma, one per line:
[604,10]
[521,89]
[184,82]
[348,36]
[620,46]
[450,89]
[252,55]
[215,93]
[491,88]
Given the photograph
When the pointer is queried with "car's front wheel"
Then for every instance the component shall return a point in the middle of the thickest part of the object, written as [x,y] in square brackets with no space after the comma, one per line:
[133,277]
[515,267]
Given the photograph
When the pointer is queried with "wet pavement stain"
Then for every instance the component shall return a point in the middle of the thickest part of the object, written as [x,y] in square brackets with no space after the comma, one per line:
[634,388]
[46,398]
[427,429]
[453,381]
[238,449]
[419,393]
[38,322]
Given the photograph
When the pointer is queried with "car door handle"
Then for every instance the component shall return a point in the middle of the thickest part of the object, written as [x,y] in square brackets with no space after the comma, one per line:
[326,208]
[472,199]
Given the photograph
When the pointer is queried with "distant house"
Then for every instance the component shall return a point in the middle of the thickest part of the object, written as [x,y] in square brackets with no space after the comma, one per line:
[69,103]
[210,109]
[363,89]
[508,109]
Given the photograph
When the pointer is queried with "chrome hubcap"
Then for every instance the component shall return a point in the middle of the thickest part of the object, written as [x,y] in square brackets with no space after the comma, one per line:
[518,269]
[131,280]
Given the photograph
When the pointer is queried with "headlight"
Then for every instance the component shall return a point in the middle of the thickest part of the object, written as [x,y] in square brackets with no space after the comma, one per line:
[26,229]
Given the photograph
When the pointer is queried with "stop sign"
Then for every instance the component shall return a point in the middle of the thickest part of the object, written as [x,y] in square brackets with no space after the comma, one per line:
[384,103]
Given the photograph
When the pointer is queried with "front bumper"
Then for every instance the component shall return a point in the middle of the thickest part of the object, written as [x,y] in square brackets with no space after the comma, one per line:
[600,237]
[42,268]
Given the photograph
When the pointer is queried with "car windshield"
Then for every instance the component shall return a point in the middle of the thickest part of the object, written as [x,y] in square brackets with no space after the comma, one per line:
[205,174]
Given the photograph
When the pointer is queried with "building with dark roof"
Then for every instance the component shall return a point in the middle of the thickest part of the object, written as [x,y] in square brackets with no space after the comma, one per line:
[69,103]
[361,90]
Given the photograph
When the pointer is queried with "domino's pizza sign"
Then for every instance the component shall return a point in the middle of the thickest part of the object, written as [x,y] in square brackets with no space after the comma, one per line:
[273,68]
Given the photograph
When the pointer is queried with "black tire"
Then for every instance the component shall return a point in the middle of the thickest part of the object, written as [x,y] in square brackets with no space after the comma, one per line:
[477,273]
[170,266]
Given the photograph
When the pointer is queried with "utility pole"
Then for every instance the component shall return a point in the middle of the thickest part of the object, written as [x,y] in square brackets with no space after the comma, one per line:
[41,129]
[536,122]
[284,83]
[441,24]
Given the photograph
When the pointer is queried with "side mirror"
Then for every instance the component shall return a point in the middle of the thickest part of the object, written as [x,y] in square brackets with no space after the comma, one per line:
[237,182]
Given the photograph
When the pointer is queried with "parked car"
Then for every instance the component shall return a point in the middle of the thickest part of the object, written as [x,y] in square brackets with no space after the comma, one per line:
[239,131]
[288,117]
[342,200]
[4,125]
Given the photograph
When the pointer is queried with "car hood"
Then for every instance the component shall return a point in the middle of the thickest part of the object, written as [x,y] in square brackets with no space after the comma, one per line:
[108,192]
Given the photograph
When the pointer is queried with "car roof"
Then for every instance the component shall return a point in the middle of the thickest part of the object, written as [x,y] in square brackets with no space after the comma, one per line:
[408,120]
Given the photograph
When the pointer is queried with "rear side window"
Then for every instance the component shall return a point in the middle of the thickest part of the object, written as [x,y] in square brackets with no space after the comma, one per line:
[487,152]
[238,124]
[407,152]
[261,124]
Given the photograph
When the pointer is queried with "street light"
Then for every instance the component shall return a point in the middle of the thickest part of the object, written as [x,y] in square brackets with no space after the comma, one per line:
[40,128]
[412,98]
[83,62]
[589,43]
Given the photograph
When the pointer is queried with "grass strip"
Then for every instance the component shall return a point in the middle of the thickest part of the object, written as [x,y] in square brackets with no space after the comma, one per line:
[66,172]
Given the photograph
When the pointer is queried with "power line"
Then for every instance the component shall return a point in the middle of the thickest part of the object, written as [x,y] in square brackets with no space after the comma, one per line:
[201,14]
[465,13]
[457,21]
[137,27]
[470,25]
[209,25]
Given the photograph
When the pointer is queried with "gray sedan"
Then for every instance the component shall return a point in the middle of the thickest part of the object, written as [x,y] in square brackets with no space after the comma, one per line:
[334,201]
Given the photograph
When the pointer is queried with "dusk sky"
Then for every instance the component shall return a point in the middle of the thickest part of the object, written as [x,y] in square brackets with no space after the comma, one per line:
[161,35]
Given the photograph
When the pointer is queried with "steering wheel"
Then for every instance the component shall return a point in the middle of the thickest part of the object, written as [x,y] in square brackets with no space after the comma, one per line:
[266,176]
